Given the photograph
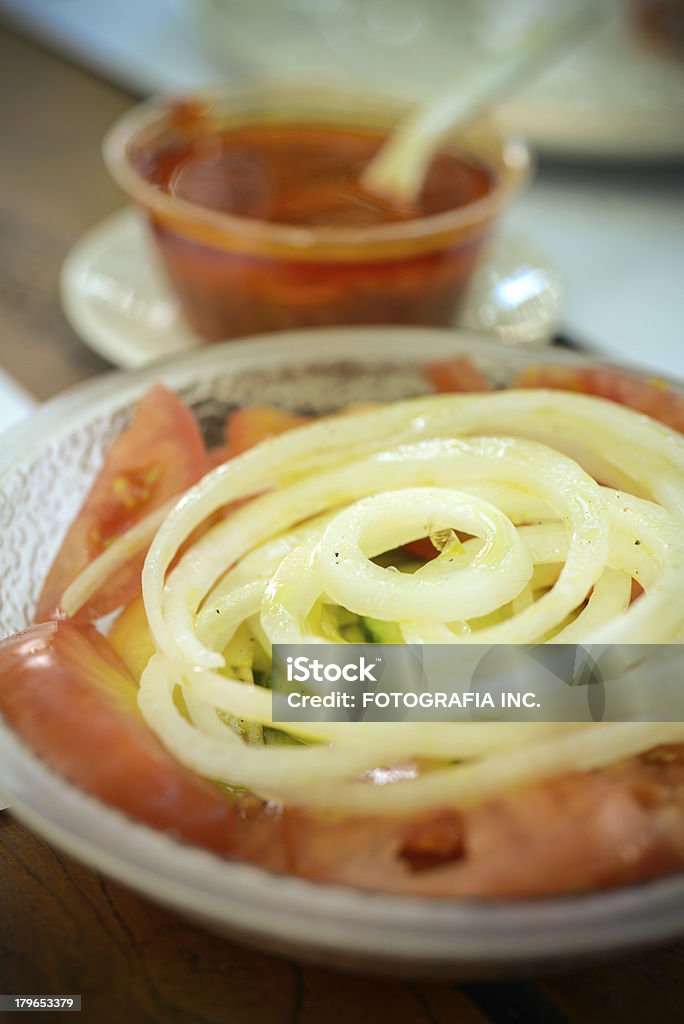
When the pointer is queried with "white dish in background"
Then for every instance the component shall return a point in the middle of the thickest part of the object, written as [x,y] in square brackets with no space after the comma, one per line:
[612,96]
[52,461]
[116,296]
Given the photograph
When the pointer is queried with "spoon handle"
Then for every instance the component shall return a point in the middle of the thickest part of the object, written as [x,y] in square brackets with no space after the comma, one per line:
[398,169]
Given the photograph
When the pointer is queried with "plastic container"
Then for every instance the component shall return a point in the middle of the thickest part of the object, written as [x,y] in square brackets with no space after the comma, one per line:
[237,275]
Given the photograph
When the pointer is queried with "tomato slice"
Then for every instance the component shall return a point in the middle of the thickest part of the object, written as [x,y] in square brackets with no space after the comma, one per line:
[423,548]
[651,396]
[456,374]
[67,694]
[159,456]
[568,834]
[246,428]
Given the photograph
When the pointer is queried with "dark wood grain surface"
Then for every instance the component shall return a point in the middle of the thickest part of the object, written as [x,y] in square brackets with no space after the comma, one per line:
[53,186]
[64,928]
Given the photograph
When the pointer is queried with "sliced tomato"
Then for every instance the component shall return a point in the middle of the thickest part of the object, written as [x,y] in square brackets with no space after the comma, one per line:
[67,694]
[159,456]
[246,428]
[568,834]
[423,548]
[456,374]
[651,395]
[218,455]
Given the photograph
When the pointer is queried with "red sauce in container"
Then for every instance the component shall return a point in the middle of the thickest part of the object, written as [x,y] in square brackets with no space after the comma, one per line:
[271,229]
[304,175]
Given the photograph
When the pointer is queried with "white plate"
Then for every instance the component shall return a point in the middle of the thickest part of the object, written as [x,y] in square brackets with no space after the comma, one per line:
[116,296]
[50,461]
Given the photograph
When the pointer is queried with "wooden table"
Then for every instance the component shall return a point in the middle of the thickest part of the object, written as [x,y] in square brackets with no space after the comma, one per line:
[64,928]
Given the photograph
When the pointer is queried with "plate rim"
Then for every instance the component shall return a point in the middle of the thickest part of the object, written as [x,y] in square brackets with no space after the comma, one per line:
[298,911]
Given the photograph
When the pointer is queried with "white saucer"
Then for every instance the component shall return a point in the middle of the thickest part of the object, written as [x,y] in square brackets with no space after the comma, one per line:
[116,296]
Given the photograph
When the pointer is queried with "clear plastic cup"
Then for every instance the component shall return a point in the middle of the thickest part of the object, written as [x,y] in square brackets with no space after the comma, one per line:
[237,275]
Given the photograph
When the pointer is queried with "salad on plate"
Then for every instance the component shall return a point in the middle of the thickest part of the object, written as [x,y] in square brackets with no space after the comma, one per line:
[551,510]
